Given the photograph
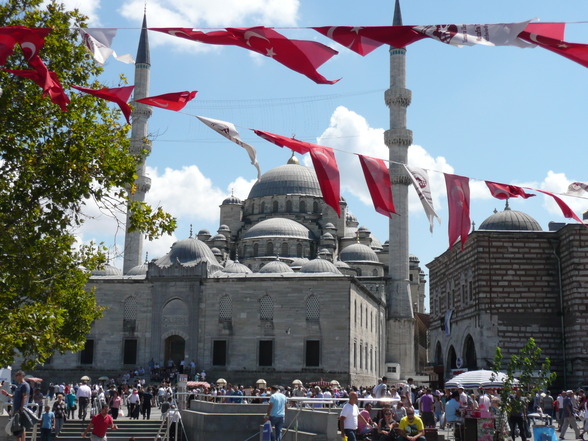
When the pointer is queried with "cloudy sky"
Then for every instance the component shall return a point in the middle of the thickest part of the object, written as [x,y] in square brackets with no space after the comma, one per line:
[503,114]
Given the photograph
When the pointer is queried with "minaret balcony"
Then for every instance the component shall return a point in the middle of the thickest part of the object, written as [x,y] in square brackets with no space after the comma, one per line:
[398,96]
[398,137]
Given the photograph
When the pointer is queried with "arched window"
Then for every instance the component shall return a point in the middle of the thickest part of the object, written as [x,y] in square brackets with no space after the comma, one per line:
[451,360]
[315,207]
[360,316]
[275,207]
[355,313]
[438,354]
[269,249]
[313,310]
[284,251]
[289,206]
[225,309]
[255,249]
[375,272]
[355,354]
[469,353]
[358,271]
[252,210]
[361,355]
[244,251]
[298,250]
[302,207]
[266,308]
[262,208]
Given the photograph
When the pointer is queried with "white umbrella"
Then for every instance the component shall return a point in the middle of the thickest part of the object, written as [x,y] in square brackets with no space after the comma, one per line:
[479,378]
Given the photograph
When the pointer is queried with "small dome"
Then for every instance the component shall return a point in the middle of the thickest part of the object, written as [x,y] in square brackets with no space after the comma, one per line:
[139,270]
[107,270]
[324,251]
[319,266]
[236,268]
[216,251]
[376,244]
[341,264]
[413,258]
[287,179]
[510,220]
[358,252]
[279,227]
[224,227]
[363,229]
[187,251]
[329,226]
[327,236]
[297,262]
[276,267]
[218,237]
[232,200]
[203,233]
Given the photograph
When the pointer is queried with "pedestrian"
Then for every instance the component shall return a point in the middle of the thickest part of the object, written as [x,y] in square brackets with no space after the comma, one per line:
[83,396]
[115,403]
[348,418]
[146,403]
[569,415]
[276,412]
[70,402]
[20,398]
[411,427]
[60,412]
[47,424]
[174,418]
[99,424]
[517,416]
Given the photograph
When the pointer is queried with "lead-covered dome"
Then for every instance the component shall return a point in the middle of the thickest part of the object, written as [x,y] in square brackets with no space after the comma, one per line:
[287,179]
[107,270]
[358,252]
[276,267]
[187,251]
[510,220]
[236,268]
[279,227]
[319,266]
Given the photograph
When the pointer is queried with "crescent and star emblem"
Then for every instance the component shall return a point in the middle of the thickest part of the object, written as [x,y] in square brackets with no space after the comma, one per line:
[160,103]
[249,34]
[30,46]
[175,33]
[323,155]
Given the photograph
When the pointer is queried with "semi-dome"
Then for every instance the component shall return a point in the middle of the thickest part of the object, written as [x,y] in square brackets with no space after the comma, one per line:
[376,244]
[236,268]
[329,226]
[223,227]
[319,266]
[510,220]
[216,251]
[358,252]
[279,227]
[341,264]
[297,262]
[232,200]
[287,179]
[276,267]
[107,270]
[187,251]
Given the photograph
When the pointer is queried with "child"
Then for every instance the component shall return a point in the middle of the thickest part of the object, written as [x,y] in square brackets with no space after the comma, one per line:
[47,424]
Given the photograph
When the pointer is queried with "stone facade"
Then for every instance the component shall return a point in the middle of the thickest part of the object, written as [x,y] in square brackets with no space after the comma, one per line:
[508,286]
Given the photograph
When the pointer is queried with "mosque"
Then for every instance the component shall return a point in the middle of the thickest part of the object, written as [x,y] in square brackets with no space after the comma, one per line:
[285,288]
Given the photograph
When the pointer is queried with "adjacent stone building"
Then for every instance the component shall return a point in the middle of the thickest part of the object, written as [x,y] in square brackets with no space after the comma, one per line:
[512,281]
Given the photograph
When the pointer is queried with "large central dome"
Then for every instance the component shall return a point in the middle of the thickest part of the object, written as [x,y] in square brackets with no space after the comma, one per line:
[287,179]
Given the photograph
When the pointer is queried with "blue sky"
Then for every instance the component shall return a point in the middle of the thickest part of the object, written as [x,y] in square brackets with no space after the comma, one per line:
[504,114]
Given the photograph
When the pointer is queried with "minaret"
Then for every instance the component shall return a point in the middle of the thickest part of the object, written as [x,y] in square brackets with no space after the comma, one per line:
[133,251]
[400,318]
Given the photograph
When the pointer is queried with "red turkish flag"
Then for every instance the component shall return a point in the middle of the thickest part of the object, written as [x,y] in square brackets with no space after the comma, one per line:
[550,37]
[505,191]
[364,40]
[170,101]
[118,95]
[301,56]
[48,82]
[31,40]
[458,199]
[377,178]
[565,209]
[323,160]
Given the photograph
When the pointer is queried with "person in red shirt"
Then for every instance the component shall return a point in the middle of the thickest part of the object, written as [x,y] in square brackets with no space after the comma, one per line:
[99,424]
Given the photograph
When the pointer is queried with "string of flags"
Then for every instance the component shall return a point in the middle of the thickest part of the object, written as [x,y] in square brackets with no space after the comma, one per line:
[305,57]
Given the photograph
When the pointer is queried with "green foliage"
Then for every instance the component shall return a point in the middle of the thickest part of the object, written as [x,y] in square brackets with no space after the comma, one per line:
[50,163]
[533,374]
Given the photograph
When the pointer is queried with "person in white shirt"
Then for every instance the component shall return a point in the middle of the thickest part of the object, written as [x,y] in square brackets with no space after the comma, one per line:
[348,418]
[380,389]
[83,395]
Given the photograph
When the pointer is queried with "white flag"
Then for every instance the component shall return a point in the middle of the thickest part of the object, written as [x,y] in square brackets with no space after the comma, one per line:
[498,34]
[577,188]
[99,42]
[420,181]
[229,131]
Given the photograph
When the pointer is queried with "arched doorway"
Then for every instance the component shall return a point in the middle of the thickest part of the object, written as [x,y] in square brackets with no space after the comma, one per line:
[451,362]
[469,354]
[175,347]
[438,354]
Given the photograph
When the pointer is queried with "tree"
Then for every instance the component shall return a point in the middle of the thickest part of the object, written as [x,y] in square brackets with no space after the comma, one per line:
[51,162]
[532,373]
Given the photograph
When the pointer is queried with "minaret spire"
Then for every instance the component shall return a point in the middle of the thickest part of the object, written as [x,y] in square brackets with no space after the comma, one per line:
[139,142]
[400,316]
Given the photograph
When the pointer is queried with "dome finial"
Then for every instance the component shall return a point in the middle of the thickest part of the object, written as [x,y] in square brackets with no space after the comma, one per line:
[146,257]
[506,206]
[190,231]
[293,159]
[236,256]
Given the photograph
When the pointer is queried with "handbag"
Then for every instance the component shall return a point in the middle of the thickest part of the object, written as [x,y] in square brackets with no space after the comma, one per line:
[74,407]
[15,426]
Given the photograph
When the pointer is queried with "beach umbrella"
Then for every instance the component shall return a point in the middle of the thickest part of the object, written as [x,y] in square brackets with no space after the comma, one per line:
[476,379]
[297,383]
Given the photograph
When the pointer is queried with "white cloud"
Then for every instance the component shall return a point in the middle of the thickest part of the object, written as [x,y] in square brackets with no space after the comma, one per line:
[86,7]
[241,187]
[207,14]
[558,183]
